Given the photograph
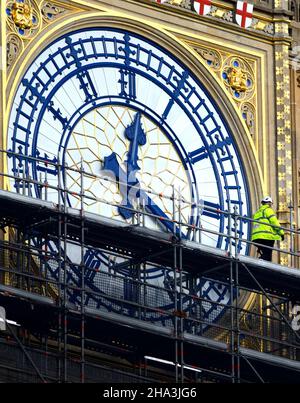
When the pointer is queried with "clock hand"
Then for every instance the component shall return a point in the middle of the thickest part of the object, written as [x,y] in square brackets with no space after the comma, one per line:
[127,181]
[136,135]
[111,164]
[157,211]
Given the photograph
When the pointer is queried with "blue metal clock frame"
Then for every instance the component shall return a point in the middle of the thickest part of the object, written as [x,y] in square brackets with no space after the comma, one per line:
[131,56]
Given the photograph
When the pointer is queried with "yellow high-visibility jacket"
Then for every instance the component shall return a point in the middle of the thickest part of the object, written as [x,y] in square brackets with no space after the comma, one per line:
[265,215]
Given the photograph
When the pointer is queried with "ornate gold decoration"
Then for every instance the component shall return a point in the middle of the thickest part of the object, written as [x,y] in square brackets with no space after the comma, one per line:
[263,26]
[176,2]
[237,79]
[23,18]
[284,135]
[22,15]
[260,25]
[238,75]
[221,13]
[26,19]
[218,13]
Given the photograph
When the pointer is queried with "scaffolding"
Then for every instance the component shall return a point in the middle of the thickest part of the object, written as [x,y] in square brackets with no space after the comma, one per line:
[81,290]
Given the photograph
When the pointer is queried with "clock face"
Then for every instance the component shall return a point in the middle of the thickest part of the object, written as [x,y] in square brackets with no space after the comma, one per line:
[160,165]
[129,111]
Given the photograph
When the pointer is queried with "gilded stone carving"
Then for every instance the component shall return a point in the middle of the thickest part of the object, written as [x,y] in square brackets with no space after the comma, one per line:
[218,13]
[225,14]
[283,120]
[221,13]
[237,79]
[176,2]
[237,73]
[22,15]
[262,26]
[23,18]
[259,25]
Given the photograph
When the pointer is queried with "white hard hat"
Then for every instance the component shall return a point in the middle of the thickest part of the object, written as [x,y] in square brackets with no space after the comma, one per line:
[267,199]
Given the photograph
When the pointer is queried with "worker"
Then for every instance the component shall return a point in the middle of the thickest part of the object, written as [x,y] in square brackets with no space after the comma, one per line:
[266,229]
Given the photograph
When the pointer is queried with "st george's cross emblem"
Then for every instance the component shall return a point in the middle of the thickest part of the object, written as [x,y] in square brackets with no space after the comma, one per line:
[244,14]
[202,7]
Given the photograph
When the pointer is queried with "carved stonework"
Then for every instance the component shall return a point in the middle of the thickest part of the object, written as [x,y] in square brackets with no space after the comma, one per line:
[237,79]
[22,15]
[25,19]
[298,78]
[248,113]
[263,26]
[176,2]
[221,13]
[50,11]
[237,73]
[212,58]
[14,47]
[284,125]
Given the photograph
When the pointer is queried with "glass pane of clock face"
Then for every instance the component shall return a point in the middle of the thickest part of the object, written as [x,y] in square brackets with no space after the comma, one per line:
[160,167]
[112,100]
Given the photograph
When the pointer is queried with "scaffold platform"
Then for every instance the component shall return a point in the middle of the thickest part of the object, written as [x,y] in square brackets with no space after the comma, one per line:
[212,354]
[139,242]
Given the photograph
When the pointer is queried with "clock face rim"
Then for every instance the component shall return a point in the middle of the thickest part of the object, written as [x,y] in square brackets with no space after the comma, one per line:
[183,67]
[182,47]
[216,105]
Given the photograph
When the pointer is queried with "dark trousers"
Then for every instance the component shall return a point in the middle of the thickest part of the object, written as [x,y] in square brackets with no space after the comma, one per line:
[265,253]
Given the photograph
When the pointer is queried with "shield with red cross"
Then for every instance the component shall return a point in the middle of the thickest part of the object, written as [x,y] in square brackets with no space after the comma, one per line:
[244,14]
[202,7]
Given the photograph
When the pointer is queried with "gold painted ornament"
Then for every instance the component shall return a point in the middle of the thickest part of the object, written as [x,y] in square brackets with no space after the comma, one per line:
[176,2]
[237,79]
[22,15]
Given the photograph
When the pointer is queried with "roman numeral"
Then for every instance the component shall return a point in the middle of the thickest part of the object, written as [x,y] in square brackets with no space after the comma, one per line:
[180,89]
[87,85]
[202,152]
[198,155]
[128,84]
[74,53]
[211,213]
[46,164]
